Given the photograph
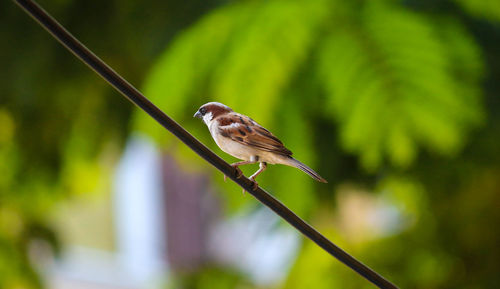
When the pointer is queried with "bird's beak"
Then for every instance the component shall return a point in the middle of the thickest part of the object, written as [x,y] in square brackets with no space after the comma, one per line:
[197,114]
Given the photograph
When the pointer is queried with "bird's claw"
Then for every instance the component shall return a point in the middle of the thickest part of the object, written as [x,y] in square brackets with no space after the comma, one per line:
[255,185]
[239,173]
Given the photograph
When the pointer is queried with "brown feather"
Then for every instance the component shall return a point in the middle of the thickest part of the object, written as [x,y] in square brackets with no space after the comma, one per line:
[225,121]
[216,109]
[234,125]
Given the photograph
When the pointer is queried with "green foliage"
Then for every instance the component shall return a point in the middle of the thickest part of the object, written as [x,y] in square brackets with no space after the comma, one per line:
[487,9]
[393,85]
[376,81]
[217,60]
[395,81]
[61,127]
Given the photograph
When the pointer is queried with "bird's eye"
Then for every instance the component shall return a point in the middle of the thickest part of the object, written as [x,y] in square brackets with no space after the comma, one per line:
[203,111]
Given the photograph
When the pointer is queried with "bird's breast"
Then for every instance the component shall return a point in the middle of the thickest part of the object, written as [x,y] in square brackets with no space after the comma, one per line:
[231,147]
[242,151]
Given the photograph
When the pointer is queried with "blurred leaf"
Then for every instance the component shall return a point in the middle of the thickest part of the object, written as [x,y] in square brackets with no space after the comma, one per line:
[384,80]
[61,127]
[233,55]
[396,80]
[487,9]
[406,195]
[313,269]
[393,79]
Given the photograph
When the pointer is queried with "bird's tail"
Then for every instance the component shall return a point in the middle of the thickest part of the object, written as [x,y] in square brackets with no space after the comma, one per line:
[295,163]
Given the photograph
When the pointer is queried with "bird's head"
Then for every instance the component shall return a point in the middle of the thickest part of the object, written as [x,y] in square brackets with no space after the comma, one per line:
[211,110]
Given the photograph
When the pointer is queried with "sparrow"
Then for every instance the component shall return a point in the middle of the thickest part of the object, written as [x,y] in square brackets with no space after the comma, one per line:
[243,138]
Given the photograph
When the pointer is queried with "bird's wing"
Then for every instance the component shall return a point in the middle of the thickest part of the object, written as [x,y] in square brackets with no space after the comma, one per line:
[244,130]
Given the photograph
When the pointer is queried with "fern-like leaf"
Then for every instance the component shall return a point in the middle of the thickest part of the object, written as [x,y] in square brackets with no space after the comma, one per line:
[393,84]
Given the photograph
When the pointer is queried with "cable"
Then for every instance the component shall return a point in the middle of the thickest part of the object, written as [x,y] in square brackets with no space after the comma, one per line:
[130,92]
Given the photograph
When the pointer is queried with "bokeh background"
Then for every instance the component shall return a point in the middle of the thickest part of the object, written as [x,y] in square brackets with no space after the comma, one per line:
[395,103]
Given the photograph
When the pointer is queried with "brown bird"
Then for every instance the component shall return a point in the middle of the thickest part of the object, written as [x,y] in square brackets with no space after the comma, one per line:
[243,138]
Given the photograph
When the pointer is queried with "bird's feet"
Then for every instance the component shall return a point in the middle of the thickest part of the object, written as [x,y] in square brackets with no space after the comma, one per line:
[255,185]
[239,173]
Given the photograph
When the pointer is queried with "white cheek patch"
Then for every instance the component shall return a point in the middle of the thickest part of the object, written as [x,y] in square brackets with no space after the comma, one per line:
[207,118]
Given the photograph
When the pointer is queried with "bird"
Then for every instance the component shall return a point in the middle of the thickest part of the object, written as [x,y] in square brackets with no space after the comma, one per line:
[245,139]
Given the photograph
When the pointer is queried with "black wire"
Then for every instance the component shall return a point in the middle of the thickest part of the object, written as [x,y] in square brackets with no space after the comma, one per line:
[130,92]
